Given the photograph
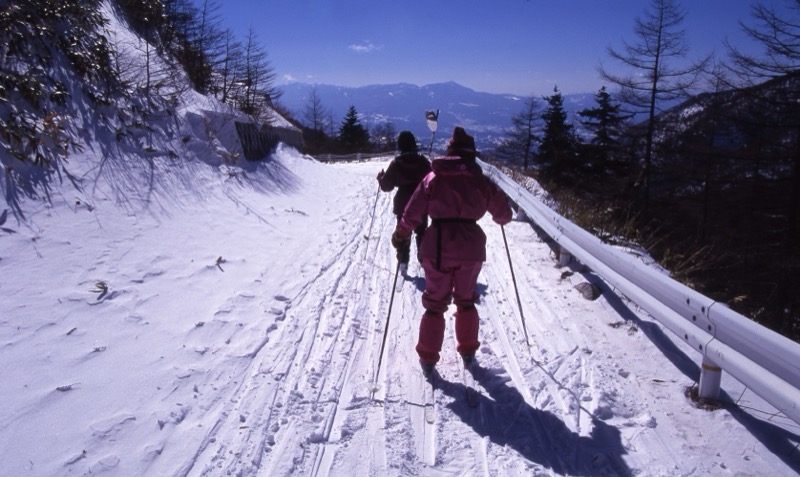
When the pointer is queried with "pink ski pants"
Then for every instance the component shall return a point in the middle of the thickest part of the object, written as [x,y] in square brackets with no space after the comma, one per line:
[454,281]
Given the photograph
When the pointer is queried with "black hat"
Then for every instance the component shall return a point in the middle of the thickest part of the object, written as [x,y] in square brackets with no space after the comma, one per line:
[406,142]
[461,144]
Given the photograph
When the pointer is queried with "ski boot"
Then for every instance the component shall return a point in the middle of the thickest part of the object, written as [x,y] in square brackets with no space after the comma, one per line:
[468,360]
[404,268]
[427,369]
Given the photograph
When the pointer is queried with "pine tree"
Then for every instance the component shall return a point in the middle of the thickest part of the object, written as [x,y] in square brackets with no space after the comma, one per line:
[605,122]
[558,149]
[353,137]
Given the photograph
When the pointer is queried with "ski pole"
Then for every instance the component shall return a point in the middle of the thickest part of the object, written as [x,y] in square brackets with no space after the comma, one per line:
[385,332]
[516,290]
[535,361]
[374,207]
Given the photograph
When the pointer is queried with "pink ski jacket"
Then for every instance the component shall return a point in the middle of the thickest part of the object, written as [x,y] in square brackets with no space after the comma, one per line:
[455,195]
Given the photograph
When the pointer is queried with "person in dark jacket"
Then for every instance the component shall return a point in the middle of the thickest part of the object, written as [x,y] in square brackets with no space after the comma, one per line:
[455,195]
[405,172]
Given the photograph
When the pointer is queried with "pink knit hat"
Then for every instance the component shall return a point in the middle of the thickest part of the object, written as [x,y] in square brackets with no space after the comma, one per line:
[461,144]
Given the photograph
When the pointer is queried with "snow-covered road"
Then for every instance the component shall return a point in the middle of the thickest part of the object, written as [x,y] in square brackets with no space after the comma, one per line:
[241,330]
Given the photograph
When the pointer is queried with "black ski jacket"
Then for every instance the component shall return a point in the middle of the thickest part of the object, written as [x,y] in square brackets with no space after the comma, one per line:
[405,172]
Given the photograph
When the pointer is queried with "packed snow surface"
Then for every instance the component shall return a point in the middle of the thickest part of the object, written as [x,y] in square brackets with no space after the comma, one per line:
[197,317]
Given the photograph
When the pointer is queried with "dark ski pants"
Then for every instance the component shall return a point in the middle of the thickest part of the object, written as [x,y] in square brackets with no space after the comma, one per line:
[404,252]
[455,282]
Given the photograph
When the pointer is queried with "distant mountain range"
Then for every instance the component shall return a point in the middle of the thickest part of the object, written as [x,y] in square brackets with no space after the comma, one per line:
[486,116]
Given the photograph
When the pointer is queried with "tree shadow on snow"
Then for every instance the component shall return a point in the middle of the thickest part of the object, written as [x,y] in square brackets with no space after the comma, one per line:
[140,182]
[138,175]
[270,175]
[507,420]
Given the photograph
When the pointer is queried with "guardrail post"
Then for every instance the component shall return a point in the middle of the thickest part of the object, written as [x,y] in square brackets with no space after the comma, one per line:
[710,377]
[564,257]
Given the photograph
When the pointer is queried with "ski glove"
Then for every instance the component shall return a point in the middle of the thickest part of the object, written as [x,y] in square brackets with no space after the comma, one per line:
[381,174]
[401,238]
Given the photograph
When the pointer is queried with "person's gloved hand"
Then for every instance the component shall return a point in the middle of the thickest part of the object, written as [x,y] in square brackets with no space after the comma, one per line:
[381,174]
[400,238]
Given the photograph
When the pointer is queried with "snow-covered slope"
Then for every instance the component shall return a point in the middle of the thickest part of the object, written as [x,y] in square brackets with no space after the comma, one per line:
[212,319]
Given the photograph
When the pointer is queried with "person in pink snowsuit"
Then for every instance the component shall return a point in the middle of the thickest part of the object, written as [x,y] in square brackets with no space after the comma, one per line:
[455,195]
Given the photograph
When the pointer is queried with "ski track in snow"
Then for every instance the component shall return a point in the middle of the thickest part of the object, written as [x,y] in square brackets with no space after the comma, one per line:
[280,377]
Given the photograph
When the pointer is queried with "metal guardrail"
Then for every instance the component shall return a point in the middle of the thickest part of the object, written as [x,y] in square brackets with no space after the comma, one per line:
[762,360]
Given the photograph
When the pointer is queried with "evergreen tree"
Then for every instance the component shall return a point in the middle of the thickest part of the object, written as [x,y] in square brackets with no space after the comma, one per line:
[521,141]
[353,137]
[558,149]
[605,122]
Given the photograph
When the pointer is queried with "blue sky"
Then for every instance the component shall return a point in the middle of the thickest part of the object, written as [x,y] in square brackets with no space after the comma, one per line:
[523,47]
